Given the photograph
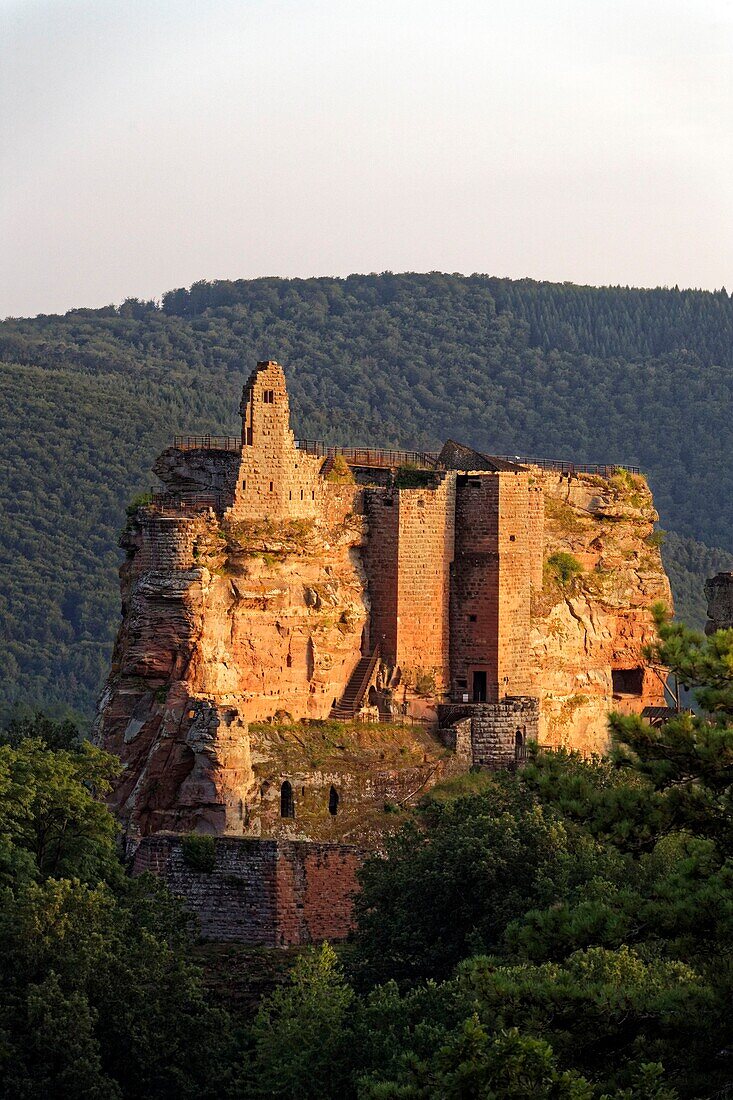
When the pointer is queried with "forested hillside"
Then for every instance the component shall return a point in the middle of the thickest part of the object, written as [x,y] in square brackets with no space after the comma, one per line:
[526,368]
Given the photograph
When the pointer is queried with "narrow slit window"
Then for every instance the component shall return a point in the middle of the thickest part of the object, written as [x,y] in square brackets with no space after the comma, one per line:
[271,486]
[287,802]
[333,802]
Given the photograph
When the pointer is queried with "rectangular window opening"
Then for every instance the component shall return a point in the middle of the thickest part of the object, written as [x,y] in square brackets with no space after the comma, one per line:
[628,681]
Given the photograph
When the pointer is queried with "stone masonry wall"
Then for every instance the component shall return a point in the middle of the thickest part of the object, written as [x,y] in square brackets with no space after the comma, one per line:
[167,542]
[425,554]
[514,595]
[380,563]
[475,584]
[496,729]
[261,892]
[275,480]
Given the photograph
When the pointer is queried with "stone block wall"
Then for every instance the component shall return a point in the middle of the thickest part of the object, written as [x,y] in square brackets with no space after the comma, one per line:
[514,595]
[275,479]
[425,554]
[167,543]
[536,533]
[500,731]
[380,561]
[498,540]
[474,618]
[261,892]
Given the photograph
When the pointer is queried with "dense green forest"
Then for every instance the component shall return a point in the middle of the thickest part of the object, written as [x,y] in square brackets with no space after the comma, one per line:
[90,398]
[564,932]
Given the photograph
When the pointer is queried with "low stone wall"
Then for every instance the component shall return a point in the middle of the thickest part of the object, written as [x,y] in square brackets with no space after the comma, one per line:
[500,731]
[491,735]
[261,892]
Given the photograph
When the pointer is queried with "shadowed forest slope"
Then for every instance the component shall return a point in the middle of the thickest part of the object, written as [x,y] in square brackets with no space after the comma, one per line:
[88,399]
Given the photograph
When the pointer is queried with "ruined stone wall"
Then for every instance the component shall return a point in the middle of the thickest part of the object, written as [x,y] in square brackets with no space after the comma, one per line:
[513,673]
[501,731]
[167,542]
[381,553]
[261,892]
[536,532]
[474,614]
[275,479]
[425,554]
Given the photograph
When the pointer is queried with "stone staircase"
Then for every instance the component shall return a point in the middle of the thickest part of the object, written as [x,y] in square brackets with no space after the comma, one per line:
[355,690]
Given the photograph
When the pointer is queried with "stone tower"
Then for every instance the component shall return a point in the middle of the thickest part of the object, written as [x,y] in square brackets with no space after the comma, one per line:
[276,480]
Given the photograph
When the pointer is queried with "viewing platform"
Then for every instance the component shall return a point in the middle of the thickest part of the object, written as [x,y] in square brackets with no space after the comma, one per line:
[380,458]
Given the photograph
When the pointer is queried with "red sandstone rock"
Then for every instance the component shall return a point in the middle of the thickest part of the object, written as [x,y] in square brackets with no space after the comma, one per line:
[252,590]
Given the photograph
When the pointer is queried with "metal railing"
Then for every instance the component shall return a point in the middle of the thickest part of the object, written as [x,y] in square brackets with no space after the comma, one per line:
[601,469]
[380,457]
[207,442]
[190,500]
[370,456]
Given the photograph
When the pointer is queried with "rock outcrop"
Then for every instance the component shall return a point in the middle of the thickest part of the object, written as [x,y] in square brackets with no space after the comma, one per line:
[591,620]
[272,580]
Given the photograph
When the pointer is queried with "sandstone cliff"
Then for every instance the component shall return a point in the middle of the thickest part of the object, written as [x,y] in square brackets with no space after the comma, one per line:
[274,580]
[591,620]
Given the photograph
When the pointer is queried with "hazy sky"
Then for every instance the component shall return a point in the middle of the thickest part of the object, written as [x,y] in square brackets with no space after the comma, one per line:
[145,144]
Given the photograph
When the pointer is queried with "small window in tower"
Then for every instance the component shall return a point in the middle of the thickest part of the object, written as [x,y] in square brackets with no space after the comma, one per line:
[333,802]
[291,494]
[301,494]
[313,494]
[244,484]
[512,538]
[289,660]
[271,486]
[249,437]
[462,683]
[473,618]
[287,802]
[269,397]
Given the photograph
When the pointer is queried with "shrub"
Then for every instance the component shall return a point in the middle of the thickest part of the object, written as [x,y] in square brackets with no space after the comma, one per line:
[138,501]
[199,852]
[565,567]
[425,683]
[410,476]
[340,472]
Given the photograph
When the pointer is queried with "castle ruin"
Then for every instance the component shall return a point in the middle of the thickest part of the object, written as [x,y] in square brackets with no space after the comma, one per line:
[470,603]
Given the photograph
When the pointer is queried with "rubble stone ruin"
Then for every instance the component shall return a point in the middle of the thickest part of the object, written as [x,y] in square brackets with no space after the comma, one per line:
[467,604]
